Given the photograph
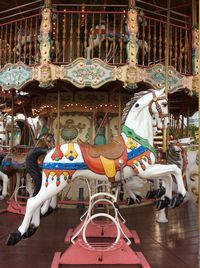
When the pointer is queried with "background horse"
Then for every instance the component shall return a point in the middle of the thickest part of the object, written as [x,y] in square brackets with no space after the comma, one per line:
[19,163]
[97,37]
[27,38]
[133,148]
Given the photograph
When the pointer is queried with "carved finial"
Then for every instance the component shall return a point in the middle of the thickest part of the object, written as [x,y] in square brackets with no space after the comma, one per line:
[131,3]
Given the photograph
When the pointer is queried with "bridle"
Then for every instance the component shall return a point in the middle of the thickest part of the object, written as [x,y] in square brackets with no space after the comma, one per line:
[158,107]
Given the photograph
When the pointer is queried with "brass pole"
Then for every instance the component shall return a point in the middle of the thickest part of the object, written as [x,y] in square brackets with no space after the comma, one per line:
[199,137]
[194,12]
[165,136]
[119,112]
[188,120]
[12,122]
[58,120]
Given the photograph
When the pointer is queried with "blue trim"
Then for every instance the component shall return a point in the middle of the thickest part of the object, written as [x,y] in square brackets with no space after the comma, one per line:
[136,152]
[65,166]
[11,164]
[80,166]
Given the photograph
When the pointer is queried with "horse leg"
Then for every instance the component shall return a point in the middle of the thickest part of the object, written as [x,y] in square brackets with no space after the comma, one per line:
[5,185]
[35,222]
[158,171]
[166,198]
[49,206]
[45,208]
[29,185]
[131,187]
[33,204]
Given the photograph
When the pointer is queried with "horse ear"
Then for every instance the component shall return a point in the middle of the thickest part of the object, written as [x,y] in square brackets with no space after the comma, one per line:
[160,92]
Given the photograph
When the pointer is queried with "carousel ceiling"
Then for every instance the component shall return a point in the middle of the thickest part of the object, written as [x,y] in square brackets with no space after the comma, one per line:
[35,100]
[23,101]
[10,9]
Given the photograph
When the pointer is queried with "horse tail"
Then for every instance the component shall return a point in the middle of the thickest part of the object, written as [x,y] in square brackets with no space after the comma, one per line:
[33,167]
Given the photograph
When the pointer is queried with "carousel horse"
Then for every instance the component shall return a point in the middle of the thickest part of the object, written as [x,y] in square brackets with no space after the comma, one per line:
[24,37]
[20,163]
[133,148]
[98,35]
[189,165]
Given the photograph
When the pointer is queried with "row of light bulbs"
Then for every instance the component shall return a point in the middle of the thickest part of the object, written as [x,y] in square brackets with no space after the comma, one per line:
[44,107]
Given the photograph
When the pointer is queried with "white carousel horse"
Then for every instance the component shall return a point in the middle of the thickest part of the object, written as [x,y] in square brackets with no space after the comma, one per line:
[134,147]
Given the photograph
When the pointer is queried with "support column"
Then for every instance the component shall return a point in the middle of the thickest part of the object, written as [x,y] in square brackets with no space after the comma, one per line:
[45,69]
[12,123]
[165,132]
[132,46]
[58,121]
[45,32]
[119,112]
[199,141]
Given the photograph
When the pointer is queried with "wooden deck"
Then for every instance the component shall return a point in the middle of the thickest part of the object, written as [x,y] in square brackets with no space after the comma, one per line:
[172,245]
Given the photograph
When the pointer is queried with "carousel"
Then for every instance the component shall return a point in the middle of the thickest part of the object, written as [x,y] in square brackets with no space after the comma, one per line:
[99,128]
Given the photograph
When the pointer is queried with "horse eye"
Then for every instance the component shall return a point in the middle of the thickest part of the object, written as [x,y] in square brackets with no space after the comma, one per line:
[164,104]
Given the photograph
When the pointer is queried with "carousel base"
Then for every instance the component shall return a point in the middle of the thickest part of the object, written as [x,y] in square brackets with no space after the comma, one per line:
[82,254]
[16,208]
[104,230]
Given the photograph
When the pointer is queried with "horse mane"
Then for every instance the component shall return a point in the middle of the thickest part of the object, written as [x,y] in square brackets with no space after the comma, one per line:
[130,104]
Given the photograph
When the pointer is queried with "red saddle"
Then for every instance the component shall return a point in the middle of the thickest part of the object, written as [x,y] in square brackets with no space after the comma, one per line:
[104,159]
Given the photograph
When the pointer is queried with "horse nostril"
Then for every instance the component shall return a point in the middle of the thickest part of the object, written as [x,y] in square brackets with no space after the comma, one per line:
[168,123]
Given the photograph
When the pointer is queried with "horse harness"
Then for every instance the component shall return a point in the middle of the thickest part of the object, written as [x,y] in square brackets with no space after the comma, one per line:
[158,107]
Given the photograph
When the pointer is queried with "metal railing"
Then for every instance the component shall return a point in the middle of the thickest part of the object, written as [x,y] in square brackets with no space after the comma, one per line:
[97,31]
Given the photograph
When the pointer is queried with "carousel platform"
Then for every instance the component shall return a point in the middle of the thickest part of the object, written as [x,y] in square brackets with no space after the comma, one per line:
[171,245]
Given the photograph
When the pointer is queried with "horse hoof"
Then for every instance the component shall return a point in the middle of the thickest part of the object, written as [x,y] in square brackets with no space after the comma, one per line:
[177,201]
[31,230]
[49,211]
[129,201]
[14,238]
[151,194]
[162,203]
[2,197]
[160,192]
[138,199]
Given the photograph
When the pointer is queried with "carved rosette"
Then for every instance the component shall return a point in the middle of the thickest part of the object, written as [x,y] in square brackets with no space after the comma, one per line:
[92,73]
[15,76]
[45,32]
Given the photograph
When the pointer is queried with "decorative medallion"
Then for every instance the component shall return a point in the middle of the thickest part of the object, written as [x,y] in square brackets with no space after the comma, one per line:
[15,76]
[70,130]
[82,72]
[156,77]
